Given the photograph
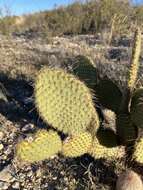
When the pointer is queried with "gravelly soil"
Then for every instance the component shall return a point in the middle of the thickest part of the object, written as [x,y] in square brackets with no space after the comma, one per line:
[19,62]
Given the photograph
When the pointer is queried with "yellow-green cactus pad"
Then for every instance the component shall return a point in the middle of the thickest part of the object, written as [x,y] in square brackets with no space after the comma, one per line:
[77,145]
[137,108]
[135,59]
[63,101]
[44,145]
[94,125]
[98,151]
[138,151]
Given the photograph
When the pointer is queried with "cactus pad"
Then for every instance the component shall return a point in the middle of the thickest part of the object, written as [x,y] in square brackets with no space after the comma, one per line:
[86,71]
[107,137]
[135,59]
[109,95]
[77,145]
[44,145]
[98,151]
[63,101]
[137,108]
[138,151]
[126,130]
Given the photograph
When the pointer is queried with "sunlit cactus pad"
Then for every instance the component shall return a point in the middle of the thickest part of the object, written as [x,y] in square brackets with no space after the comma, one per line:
[77,145]
[63,101]
[138,151]
[98,151]
[44,145]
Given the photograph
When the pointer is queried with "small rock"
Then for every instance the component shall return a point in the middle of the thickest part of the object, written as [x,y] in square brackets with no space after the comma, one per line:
[28,127]
[5,175]
[16,185]
[129,180]
[1,135]
[4,185]
[1,146]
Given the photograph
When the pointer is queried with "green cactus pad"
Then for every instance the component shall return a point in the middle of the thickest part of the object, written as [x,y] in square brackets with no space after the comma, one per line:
[77,145]
[135,60]
[126,130]
[98,151]
[44,145]
[63,101]
[85,71]
[109,95]
[137,108]
[138,151]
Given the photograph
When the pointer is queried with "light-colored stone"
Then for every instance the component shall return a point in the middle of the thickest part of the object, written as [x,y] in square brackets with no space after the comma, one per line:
[5,175]
[129,180]
[1,146]
[16,185]
[1,135]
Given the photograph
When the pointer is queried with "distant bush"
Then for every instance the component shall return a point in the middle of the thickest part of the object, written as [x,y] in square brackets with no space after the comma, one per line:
[113,16]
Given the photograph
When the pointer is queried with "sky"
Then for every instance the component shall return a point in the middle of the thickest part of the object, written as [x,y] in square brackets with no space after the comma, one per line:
[19,7]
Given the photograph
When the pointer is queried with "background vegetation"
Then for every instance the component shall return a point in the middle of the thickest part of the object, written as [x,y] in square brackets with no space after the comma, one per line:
[93,16]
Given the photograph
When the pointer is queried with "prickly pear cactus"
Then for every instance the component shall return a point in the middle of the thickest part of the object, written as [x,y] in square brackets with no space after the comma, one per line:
[137,108]
[44,145]
[135,59]
[138,151]
[98,151]
[85,70]
[126,130]
[77,145]
[107,137]
[63,101]
[109,95]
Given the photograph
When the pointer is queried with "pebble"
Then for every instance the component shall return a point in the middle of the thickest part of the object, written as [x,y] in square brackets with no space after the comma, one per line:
[16,185]
[3,185]
[1,146]
[1,135]
[5,175]
[28,127]
[129,180]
